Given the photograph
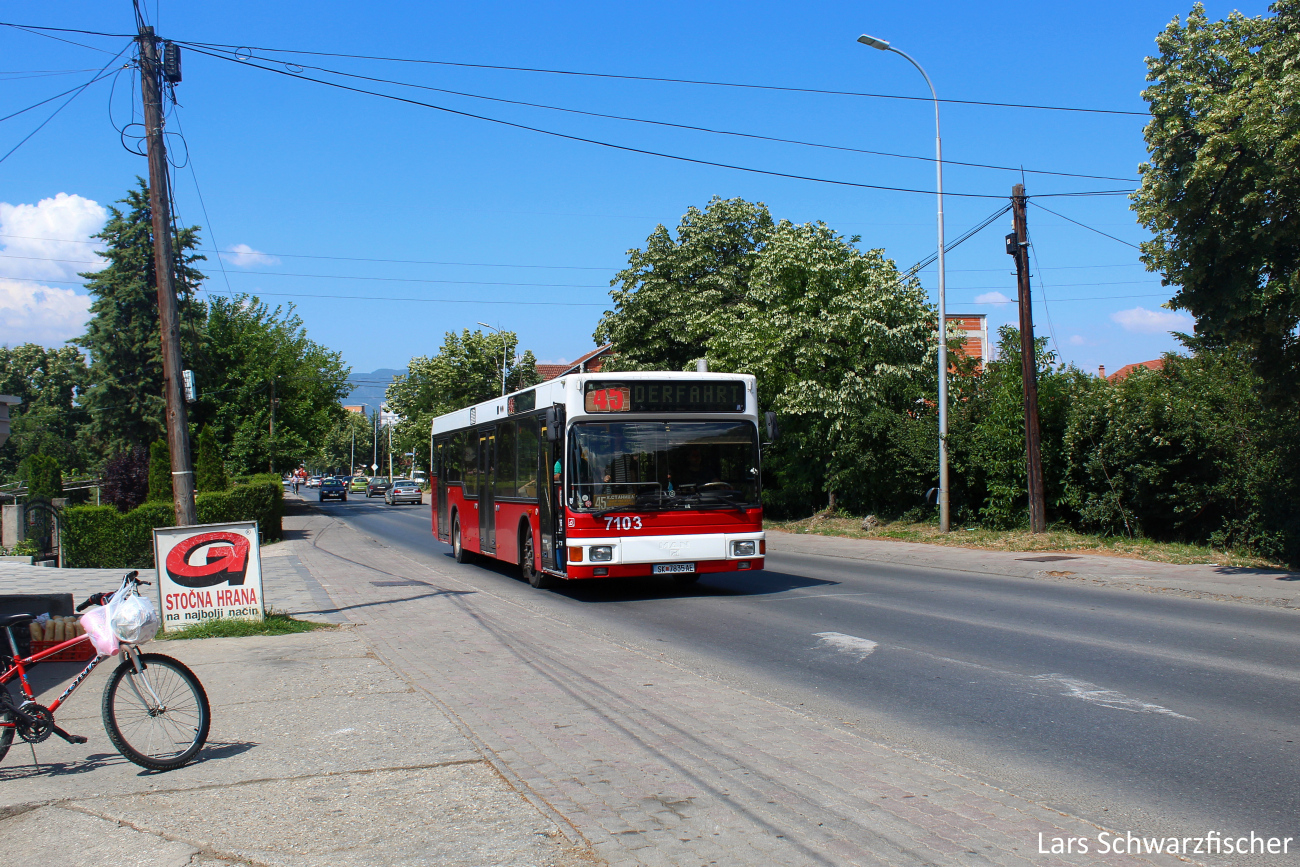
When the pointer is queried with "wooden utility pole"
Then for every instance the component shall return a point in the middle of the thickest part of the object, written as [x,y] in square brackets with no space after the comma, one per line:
[178,431]
[270,444]
[1018,246]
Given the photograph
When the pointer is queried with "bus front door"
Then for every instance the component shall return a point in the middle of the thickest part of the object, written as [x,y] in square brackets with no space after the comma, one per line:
[487,519]
[440,481]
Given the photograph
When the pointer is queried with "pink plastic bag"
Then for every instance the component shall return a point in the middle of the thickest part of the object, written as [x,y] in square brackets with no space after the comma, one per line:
[95,622]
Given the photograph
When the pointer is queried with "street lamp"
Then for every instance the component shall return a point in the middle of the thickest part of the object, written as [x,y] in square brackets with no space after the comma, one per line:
[944,511]
[503,355]
[388,422]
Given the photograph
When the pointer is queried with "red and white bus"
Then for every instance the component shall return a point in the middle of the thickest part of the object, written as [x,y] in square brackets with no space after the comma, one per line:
[601,475]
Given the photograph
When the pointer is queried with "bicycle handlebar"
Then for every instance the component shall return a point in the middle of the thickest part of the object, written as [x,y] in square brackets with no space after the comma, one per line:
[132,577]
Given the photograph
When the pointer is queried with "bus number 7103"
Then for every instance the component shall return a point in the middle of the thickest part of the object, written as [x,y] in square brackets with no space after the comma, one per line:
[617,523]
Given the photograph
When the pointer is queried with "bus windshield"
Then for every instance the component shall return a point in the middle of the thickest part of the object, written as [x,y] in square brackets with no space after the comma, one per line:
[651,466]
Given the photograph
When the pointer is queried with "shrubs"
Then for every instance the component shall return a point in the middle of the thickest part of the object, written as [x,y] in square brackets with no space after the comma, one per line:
[160,473]
[103,538]
[44,479]
[209,470]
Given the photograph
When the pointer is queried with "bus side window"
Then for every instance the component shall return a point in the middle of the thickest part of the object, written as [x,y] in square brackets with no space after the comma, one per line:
[527,445]
[505,476]
[468,442]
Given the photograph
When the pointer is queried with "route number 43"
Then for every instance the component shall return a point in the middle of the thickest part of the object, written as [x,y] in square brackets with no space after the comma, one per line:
[617,523]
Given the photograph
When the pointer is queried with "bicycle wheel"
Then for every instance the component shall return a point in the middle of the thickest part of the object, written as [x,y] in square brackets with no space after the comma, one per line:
[6,731]
[158,719]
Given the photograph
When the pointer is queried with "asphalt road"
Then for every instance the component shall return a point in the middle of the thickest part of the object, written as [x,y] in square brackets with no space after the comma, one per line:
[1143,712]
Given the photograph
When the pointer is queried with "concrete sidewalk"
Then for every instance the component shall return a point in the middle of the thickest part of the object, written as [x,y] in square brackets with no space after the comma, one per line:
[1202,581]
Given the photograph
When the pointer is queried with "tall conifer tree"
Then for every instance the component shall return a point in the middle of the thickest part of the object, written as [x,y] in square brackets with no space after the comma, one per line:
[125,397]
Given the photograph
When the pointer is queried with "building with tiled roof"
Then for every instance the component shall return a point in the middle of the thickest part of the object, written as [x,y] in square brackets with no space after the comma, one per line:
[592,362]
[1123,372]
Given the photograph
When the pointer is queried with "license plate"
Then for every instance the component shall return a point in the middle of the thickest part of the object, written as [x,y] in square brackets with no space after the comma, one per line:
[672,568]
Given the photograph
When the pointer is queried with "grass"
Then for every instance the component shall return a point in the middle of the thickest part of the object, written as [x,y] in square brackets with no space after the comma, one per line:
[274,623]
[1057,539]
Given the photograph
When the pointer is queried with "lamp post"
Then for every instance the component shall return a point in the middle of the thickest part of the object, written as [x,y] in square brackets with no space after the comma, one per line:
[503,355]
[387,421]
[944,511]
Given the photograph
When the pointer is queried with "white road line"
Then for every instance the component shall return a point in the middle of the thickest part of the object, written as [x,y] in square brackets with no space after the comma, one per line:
[1085,691]
[850,644]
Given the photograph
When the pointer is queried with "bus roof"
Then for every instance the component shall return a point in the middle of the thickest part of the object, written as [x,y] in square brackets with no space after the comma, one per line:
[568,390]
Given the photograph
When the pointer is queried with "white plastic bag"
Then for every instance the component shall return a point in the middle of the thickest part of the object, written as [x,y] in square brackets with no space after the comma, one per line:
[133,619]
[95,622]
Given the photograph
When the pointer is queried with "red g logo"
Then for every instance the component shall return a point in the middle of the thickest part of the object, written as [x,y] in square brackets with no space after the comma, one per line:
[225,564]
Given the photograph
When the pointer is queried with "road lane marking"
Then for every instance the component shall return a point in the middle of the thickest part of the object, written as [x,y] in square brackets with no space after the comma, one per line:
[1085,691]
[850,644]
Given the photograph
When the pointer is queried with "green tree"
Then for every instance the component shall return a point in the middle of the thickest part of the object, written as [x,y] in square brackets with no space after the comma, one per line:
[678,294]
[987,431]
[841,346]
[125,394]
[336,448]
[160,472]
[51,419]
[1221,191]
[261,360]
[43,476]
[466,370]
[209,469]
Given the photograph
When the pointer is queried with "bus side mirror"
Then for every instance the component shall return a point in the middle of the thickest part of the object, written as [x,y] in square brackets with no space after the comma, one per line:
[554,423]
[773,429]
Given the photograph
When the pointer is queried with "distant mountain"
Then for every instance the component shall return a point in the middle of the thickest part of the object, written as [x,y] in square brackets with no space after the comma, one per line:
[369,388]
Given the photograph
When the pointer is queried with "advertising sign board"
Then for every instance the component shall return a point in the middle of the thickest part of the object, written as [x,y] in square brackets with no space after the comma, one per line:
[208,572]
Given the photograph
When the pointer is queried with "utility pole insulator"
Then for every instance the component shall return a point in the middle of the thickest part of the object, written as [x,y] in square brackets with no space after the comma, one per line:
[178,433]
[1018,246]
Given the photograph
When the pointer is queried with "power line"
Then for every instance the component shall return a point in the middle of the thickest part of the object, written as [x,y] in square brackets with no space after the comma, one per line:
[625,148]
[424,300]
[98,76]
[79,87]
[684,126]
[36,31]
[1089,228]
[741,85]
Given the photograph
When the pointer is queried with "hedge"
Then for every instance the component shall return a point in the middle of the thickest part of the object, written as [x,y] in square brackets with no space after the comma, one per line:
[101,537]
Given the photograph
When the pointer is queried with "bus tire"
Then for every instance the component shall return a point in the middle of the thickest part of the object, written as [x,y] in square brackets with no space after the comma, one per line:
[458,552]
[528,560]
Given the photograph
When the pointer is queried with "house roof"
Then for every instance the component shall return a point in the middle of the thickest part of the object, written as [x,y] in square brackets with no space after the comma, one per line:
[589,363]
[1123,372]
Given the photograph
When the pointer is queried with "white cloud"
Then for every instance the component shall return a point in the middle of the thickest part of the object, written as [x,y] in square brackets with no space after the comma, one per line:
[48,240]
[1144,321]
[1078,340]
[992,298]
[245,256]
[30,313]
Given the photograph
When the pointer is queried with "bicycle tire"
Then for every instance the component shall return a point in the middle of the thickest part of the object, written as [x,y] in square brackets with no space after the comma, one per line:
[159,741]
[7,733]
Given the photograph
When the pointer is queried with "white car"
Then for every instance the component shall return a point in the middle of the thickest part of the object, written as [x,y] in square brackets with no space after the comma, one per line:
[313,482]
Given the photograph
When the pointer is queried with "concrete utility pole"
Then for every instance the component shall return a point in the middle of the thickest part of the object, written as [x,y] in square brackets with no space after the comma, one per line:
[178,433]
[270,443]
[1018,246]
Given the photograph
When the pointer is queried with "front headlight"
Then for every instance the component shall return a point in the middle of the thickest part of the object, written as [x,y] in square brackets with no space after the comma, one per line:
[744,548]
[602,553]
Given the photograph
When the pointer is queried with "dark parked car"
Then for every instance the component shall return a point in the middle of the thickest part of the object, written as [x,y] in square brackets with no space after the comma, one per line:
[378,487]
[404,491]
[333,488]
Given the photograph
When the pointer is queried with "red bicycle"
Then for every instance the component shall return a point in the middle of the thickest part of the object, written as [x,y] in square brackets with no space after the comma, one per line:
[155,710]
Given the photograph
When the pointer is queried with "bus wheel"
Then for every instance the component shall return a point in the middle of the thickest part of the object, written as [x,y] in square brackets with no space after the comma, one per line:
[458,551]
[527,560]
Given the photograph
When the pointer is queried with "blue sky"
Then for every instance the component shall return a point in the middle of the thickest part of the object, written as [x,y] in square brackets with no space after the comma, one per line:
[293,173]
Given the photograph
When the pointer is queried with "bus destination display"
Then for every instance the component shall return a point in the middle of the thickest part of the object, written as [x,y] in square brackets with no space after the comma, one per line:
[650,395]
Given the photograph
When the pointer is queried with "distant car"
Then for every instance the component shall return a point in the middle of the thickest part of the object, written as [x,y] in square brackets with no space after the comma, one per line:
[378,485]
[333,489]
[313,482]
[359,484]
[420,480]
[404,491]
